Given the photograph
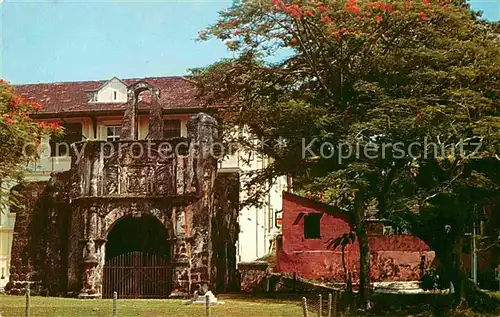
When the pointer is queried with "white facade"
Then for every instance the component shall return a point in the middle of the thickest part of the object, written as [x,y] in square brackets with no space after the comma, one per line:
[257,224]
[7,220]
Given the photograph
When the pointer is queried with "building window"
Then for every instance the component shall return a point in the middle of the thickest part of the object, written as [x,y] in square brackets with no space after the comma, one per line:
[171,129]
[113,133]
[312,226]
[114,95]
[388,230]
[60,145]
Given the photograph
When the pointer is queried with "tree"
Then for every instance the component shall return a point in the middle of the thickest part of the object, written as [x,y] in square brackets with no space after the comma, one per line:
[357,74]
[343,241]
[20,137]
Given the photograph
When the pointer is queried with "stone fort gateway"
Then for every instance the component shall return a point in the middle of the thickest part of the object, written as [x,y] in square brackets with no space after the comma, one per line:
[145,223]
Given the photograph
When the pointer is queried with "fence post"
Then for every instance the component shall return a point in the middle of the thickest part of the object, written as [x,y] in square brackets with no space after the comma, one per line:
[294,282]
[304,307]
[334,304]
[207,305]
[329,304]
[346,298]
[115,308]
[320,310]
[28,299]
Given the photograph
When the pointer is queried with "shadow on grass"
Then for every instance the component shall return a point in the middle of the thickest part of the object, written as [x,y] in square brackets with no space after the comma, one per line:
[394,305]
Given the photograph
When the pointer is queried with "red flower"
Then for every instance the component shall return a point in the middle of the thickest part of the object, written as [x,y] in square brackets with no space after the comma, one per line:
[321,7]
[36,106]
[293,41]
[419,116]
[427,3]
[386,7]
[379,19]
[344,31]
[309,12]
[294,10]
[49,125]
[18,101]
[8,120]
[38,142]
[337,35]
[278,4]
[326,18]
[353,8]
[423,16]
[55,125]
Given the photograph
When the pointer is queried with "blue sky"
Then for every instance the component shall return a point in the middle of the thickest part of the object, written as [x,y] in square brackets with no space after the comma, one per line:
[50,41]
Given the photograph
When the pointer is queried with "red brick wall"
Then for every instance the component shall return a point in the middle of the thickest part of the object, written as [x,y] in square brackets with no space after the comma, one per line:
[394,257]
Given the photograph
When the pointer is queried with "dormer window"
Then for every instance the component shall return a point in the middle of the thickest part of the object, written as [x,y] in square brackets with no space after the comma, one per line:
[112,91]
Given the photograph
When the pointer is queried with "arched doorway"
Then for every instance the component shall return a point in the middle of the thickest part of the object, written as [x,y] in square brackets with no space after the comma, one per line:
[138,256]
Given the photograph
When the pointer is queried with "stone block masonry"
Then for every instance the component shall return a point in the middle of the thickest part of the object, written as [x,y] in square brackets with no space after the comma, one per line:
[62,228]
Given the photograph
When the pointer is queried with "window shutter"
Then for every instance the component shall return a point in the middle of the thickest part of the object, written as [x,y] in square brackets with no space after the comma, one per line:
[104,133]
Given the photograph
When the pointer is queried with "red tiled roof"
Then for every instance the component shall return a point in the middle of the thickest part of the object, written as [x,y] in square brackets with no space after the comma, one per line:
[72,97]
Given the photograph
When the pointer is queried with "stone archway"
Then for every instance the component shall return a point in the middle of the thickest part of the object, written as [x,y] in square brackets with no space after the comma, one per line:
[137,258]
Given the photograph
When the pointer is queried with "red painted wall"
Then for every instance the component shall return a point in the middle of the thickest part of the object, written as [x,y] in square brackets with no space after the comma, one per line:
[394,257]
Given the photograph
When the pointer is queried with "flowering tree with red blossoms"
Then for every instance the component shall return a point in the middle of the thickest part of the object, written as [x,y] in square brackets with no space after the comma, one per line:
[369,73]
[20,136]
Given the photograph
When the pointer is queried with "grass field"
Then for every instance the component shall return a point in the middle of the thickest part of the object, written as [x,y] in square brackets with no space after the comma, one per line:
[14,306]
[235,306]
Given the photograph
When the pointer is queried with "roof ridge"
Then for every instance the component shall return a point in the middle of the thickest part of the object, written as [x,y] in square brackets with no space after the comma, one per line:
[103,80]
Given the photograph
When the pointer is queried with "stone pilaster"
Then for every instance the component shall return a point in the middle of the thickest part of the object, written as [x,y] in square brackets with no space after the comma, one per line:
[92,275]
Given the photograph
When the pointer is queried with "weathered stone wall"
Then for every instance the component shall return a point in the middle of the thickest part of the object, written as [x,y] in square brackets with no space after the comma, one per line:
[254,276]
[62,230]
[225,231]
[39,248]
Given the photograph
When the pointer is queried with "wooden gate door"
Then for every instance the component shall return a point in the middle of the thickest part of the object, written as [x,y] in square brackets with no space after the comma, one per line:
[137,275]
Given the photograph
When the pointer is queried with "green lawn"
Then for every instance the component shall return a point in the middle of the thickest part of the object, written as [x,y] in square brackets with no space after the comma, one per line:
[13,306]
[239,305]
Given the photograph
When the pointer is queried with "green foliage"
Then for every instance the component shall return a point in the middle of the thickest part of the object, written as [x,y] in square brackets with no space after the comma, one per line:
[370,74]
[433,279]
[486,279]
[19,137]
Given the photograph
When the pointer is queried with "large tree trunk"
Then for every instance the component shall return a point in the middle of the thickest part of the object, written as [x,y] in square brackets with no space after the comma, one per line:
[466,293]
[344,265]
[451,265]
[364,251]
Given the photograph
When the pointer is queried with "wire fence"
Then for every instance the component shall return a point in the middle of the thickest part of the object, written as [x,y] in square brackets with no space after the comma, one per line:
[335,304]
[332,305]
